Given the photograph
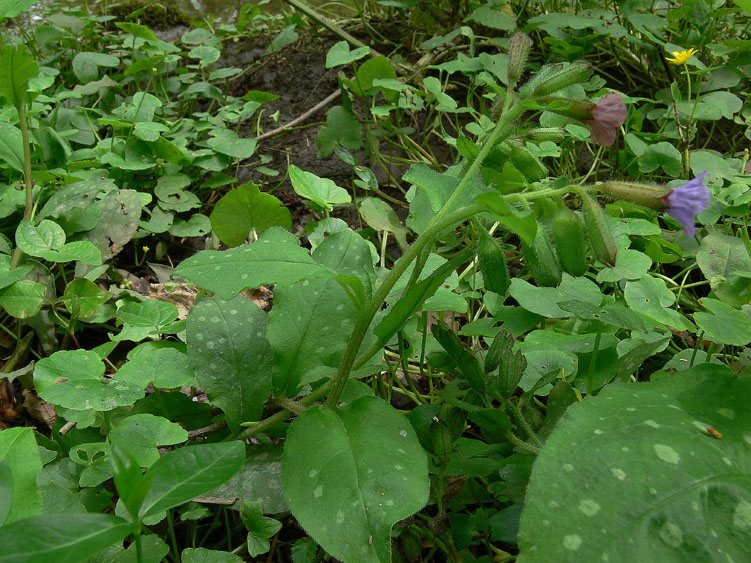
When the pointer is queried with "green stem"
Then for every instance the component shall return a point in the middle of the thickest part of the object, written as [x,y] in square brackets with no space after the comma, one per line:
[521,443]
[28,180]
[519,417]
[363,322]
[593,359]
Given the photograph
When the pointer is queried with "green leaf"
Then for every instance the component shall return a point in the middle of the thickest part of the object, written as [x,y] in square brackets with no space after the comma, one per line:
[227,142]
[350,474]
[629,265]
[650,297]
[185,473]
[244,209]
[283,38]
[19,453]
[309,327]
[523,224]
[203,555]
[347,253]
[23,299]
[82,298]
[8,276]
[11,146]
[6,491]
[67,538]
[165,367]
[231,356]
[137,30]
[382,217]
[339,54]
[321,191]
[724,323]
[197,226]
[544,300]
[140,434]
[725,262]
[121,212]
[73,379]
[681,493]
[259,479]
[86,65]
[207,55]
[38,240]
[13,8]
[17,67]
[127,476]
[275,258]
[260,528]
[341,130]
[663,155]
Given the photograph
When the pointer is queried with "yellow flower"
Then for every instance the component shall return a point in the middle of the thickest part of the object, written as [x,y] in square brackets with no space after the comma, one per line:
[680,57]
[145,248]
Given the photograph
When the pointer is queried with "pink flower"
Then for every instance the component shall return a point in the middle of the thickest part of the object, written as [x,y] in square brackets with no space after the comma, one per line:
[608,115]
[685,202]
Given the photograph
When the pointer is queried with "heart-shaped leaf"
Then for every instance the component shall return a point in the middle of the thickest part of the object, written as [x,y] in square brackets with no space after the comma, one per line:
[350,474]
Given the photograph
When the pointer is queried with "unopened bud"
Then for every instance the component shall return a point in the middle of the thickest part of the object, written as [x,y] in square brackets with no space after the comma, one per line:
[578,109]
[554,77]
[518,50]
[539,134]
[600,235]
[524,161]
[648,195]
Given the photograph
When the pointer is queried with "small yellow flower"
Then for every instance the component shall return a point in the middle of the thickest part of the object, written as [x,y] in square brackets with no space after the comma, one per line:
[145,248]
[680,57]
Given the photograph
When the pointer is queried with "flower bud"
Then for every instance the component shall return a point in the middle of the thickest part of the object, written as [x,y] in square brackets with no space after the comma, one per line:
[539,134]
[554,77]
[524,161]
[600,235]
[648,195]
[518,50]
[578,109]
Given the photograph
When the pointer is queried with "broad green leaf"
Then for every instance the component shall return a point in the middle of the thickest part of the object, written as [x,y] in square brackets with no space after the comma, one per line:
[140,435]
[8,276]
[382,217]
[259,479]
[137,30]
[171,193]
[86,65]
[23,299]
[321,191]
[66,538]
[544,300]
[681,494]
[127,475]
[40,239]
[723,323]
[203,555]
[11,146]
[118,222]
[165,367]
[13,8]
[339,54]
[629,265]
[345,252]
[73,379]
[231,357]
[82,298]
[663,155]
[244,209]
[349,475]
[650,297]
[283,38]
[19,453]
[227,142]
[373,69]
[197,226]
[309,327]
[341,130]
[151,313]
[260,528]
[17,67]
[6,490]
[185,473]
[275,258]
[205,54]
[725,262]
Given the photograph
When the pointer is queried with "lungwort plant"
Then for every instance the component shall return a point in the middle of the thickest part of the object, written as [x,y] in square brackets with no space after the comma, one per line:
[480,386]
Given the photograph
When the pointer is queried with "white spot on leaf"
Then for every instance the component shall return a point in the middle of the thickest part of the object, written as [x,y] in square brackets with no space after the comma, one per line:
[667,454]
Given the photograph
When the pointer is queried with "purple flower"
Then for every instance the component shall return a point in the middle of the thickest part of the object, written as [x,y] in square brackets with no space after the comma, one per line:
[608,115]
[685,202]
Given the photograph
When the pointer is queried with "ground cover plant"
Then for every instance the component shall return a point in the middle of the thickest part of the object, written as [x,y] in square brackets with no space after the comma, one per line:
[499,310]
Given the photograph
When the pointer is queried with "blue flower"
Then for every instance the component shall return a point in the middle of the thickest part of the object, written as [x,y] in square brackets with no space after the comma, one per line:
[685,202]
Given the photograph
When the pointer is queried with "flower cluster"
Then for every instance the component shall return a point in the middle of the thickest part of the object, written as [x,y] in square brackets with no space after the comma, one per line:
[608,114]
